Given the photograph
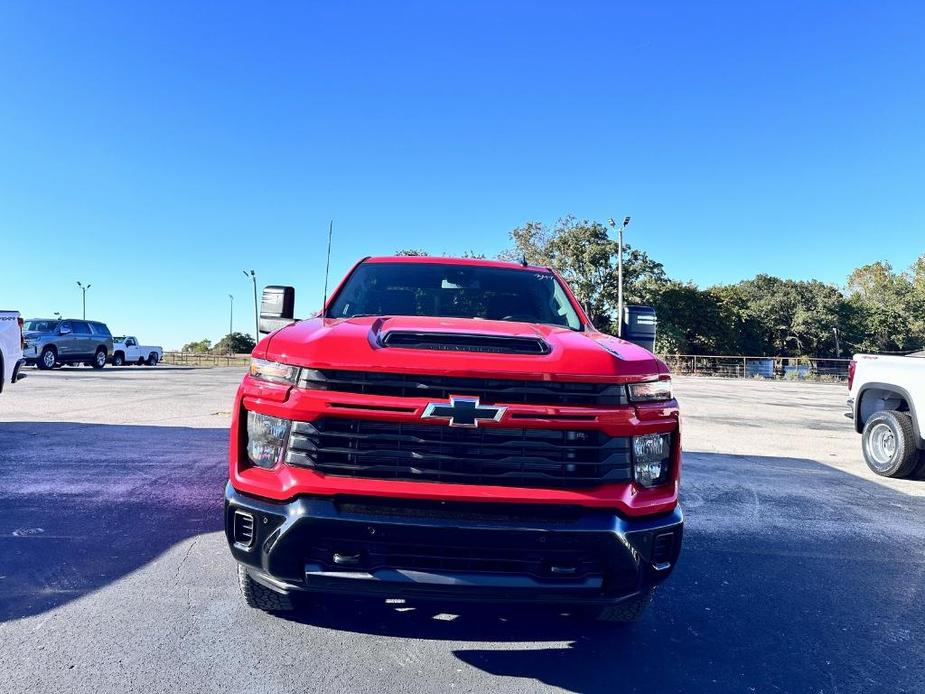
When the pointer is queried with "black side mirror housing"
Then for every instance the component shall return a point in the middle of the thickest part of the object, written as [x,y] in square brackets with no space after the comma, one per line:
[277,308]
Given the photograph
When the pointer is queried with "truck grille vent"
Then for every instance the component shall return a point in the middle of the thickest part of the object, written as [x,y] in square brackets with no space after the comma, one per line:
[662,548]
[461,342]
[519,561]
[243,529]
[551,458]
[489,390]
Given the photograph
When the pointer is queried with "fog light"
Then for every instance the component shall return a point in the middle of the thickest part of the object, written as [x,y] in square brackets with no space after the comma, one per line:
[266,439]
[651,458]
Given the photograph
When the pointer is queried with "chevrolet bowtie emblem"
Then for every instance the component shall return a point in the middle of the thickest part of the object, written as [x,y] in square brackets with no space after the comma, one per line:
[463,412]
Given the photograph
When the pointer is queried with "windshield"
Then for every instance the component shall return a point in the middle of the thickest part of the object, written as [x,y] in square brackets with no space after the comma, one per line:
[41,326]
[454,291]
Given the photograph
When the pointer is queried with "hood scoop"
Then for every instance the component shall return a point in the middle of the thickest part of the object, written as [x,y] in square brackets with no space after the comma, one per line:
[464,342]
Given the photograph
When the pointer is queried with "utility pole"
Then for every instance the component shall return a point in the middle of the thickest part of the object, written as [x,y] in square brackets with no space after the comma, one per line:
[613,224]
[837,344]
[84,290]
[231,315]
[253,276]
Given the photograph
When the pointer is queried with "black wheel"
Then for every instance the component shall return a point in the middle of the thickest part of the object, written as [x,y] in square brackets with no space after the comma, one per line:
[626,612]
[261,597]
[99,359]
[118,359]
[152,359]
[47,359]
[889,444]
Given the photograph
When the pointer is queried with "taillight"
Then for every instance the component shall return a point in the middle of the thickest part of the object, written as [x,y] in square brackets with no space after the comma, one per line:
[852,367]
[22,338]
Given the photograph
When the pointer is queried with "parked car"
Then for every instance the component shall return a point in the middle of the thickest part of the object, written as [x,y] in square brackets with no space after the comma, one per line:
[50,342]
[126,350]
[886,400]
[11,343]
[453,429]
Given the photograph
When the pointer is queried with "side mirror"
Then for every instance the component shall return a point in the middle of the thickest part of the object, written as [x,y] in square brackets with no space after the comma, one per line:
[277,309]
[64,330]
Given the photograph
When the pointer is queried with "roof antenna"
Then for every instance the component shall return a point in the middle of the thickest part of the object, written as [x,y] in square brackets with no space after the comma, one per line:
[327,268]
[523,259]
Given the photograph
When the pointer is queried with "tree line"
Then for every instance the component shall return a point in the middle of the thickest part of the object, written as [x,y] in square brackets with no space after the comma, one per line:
[878,309]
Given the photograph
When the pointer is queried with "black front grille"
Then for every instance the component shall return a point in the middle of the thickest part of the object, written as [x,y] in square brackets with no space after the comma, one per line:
[489,390]
[463,342]
[511,457]
[369,555]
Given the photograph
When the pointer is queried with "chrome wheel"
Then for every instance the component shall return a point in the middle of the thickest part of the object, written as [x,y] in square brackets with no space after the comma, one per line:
[101,358]
[881,446]
[49,359]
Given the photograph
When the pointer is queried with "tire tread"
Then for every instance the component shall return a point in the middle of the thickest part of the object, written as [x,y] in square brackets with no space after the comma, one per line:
[260,597]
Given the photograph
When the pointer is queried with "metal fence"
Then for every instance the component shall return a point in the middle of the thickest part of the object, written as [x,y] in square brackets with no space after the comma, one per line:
[205,359]
[724,366]
[788,368]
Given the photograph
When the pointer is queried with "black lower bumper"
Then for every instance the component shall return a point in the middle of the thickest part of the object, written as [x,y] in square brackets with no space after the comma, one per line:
[484,552]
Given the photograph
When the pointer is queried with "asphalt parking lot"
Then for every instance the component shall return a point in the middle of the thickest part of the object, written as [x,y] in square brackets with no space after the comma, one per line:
[801,571]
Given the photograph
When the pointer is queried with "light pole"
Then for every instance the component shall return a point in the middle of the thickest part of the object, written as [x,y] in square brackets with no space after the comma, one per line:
[613,224]
[84,290]
[231,314]
[253,276]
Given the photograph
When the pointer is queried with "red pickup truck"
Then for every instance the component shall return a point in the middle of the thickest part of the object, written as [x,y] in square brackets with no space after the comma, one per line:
[453,429]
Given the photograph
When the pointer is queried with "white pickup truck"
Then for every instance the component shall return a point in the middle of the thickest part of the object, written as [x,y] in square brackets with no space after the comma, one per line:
[11,344]
[886,400]
[126,350]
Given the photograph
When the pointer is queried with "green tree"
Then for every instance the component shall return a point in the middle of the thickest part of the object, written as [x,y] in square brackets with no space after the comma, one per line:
[235,343]
[583,252]
[412,252]
[199,347]
[886,305]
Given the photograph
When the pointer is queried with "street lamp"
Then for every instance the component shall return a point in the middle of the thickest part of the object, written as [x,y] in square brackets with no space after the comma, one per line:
[84,290]
[613,224]
[253,277]
[231,315]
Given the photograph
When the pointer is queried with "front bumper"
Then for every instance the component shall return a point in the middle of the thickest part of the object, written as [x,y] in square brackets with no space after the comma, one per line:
[460,551]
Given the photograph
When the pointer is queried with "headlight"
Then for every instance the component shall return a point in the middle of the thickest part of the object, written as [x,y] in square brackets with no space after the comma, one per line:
[651,459]
[650,391]
[266,439]
[273,371]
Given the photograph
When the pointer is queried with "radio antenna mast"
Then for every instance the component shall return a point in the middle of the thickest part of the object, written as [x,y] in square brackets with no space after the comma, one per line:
[327,268]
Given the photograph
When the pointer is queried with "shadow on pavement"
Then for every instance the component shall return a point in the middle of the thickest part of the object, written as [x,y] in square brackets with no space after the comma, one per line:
[85,504]
[794,577]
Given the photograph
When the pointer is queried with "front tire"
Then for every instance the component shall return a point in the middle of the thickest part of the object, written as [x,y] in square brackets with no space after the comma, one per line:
[260,597]
[47,359]
[99,359]
[888,443]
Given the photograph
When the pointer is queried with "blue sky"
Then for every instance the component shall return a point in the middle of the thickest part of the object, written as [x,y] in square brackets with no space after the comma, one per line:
[157,150]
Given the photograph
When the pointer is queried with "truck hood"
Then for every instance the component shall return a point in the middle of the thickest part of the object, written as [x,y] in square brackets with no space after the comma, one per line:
[357,344]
